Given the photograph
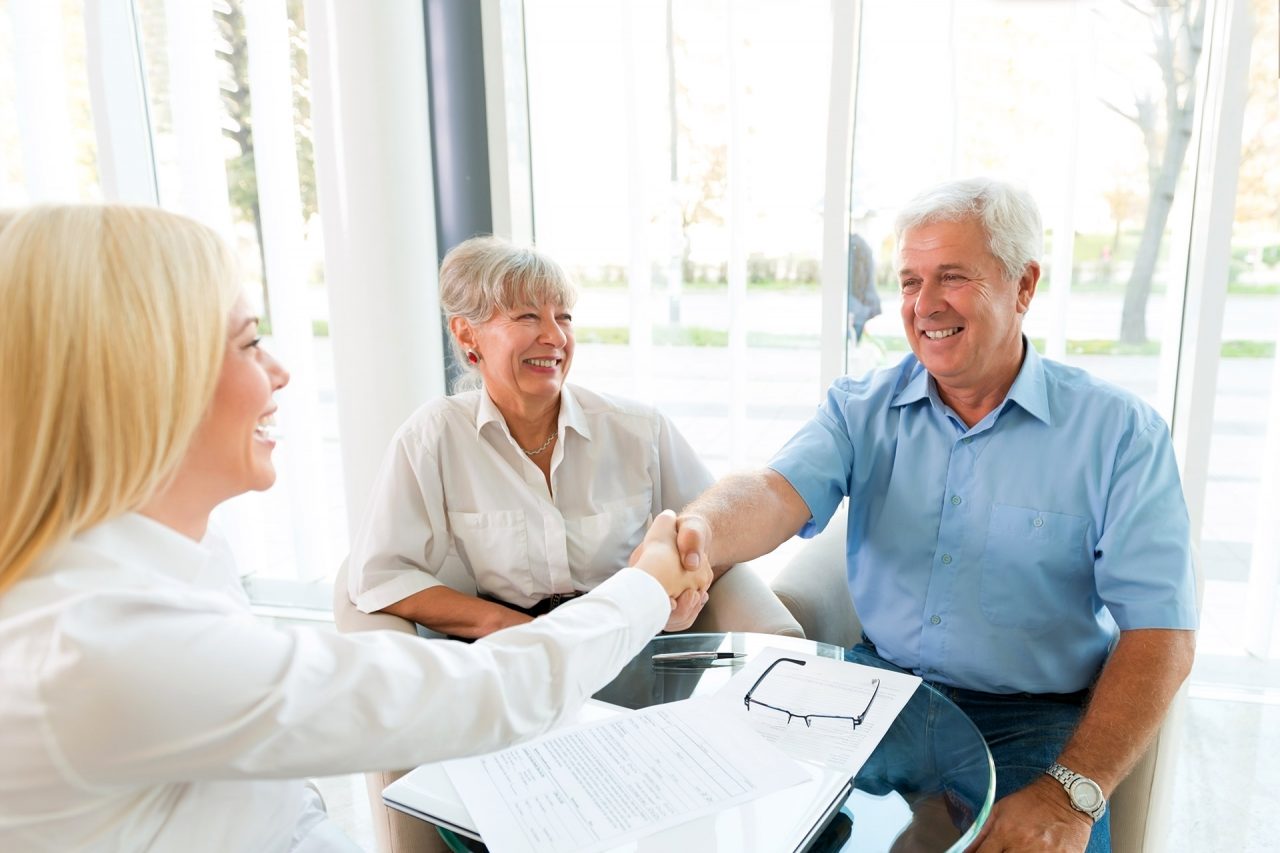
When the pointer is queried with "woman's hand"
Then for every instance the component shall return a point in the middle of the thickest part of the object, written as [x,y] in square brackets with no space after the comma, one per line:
[685,610]
[657,556]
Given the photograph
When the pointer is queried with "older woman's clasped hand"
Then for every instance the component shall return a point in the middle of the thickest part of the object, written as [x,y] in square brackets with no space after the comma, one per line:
[657,555]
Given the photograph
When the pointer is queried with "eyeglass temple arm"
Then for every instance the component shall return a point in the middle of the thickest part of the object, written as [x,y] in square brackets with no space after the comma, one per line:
[746,700]
[858,719]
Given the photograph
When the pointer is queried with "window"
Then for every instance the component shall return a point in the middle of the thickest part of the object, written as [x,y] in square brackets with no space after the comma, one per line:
[1239,548]
[229,99]
[48,151]
[215,122]
[1087,105]
[682,186]
[1234,688]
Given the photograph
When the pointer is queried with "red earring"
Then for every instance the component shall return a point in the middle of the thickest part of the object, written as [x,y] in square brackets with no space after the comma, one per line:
[472,357]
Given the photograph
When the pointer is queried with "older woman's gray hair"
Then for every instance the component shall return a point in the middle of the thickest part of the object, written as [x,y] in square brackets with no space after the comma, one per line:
[484,276]
[1008,215]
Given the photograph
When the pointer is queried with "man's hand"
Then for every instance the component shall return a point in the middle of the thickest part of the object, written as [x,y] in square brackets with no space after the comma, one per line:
[697,563]
[1036,818]
[657,555]
[693,540]
[685,609]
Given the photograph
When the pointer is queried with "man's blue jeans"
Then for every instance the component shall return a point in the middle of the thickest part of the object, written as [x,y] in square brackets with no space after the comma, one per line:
[1025,732]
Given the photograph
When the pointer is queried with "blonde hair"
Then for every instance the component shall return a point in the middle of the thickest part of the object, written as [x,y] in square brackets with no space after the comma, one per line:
[111,342]
[484,275]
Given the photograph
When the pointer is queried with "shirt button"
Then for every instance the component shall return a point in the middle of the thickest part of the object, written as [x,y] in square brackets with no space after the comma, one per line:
[1039,522]
[968,439]
[955,500]
[935,619]
[946,558]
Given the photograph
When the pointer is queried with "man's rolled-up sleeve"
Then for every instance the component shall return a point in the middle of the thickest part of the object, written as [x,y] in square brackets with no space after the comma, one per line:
[1142,559]
[816,461]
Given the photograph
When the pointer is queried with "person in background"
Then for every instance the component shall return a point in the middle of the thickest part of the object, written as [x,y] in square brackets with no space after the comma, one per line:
[144,707]
[1017,533]
[864,301]
[529,489]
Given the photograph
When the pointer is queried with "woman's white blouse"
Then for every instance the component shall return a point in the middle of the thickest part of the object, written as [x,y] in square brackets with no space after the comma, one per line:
[145,708]
[457,502]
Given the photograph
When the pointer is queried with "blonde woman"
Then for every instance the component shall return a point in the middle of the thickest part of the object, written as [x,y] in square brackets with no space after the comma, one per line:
[144,708]
[527,490]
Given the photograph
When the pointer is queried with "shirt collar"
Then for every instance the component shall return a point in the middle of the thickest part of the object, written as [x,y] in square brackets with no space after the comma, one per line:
[916,385]
[571,414]
[487,411]
[1028,390]
[134,539]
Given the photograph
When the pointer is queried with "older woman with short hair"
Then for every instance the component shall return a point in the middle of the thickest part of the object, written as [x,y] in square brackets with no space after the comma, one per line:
[527,489]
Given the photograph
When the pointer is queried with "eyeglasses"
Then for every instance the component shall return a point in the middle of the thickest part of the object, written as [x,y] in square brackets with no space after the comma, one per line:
[855,719]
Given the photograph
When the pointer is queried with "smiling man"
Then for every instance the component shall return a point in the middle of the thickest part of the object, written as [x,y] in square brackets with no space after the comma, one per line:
[1017,533]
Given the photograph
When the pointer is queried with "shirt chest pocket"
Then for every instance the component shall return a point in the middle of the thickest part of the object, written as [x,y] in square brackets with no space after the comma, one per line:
[600,544]
[495,546]
[1035,564]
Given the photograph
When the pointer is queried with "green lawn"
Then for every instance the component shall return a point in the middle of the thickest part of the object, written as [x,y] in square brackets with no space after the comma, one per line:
[1088,285]
[699,336]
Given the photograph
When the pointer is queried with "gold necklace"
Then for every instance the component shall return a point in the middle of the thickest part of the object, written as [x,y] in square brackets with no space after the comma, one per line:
[545,445]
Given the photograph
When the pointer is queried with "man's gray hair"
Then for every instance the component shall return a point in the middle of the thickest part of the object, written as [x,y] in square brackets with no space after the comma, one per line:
[1008,215]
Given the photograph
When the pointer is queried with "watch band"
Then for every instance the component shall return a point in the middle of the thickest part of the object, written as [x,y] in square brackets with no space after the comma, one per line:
[1084,794]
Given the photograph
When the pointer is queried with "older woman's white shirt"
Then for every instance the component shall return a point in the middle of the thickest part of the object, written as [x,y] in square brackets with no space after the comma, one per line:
[458,503]
[145,708]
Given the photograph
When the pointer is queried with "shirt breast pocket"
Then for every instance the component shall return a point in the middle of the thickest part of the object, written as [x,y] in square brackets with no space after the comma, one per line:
[495,546]
[1035,563]
[600,544]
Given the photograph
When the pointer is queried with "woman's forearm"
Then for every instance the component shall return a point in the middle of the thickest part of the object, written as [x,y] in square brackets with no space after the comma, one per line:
[454,613]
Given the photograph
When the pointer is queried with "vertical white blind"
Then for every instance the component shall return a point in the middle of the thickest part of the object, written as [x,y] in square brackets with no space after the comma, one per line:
[845,34]
[44,128]
[117,89]
[373,174]
[280,202]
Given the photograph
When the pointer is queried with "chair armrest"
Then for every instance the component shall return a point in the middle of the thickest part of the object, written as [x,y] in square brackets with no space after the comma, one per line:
[741,601]
[1142,804]
[394,831]
[351,620]
[815,589]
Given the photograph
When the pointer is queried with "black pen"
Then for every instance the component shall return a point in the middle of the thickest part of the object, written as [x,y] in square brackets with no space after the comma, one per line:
[697,656]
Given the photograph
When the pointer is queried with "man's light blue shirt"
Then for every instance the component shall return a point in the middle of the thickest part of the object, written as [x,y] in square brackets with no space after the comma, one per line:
[1006,557]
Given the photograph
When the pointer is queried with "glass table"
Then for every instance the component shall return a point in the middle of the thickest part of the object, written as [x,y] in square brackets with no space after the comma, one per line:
[928,786]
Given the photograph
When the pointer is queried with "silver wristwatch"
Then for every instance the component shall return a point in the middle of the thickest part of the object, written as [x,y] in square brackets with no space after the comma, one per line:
[1084,793]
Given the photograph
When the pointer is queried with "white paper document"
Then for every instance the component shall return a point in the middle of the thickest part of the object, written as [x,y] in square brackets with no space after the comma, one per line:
[602,784]
[828,693]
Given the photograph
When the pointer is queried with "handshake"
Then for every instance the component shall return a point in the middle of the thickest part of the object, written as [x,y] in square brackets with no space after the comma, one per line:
[674,553]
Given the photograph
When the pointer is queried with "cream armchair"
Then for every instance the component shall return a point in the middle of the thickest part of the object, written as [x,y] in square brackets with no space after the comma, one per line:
[814,588]
[740,601]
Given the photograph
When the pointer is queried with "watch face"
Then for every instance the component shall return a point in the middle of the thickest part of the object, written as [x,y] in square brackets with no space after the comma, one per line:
[1086,795]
